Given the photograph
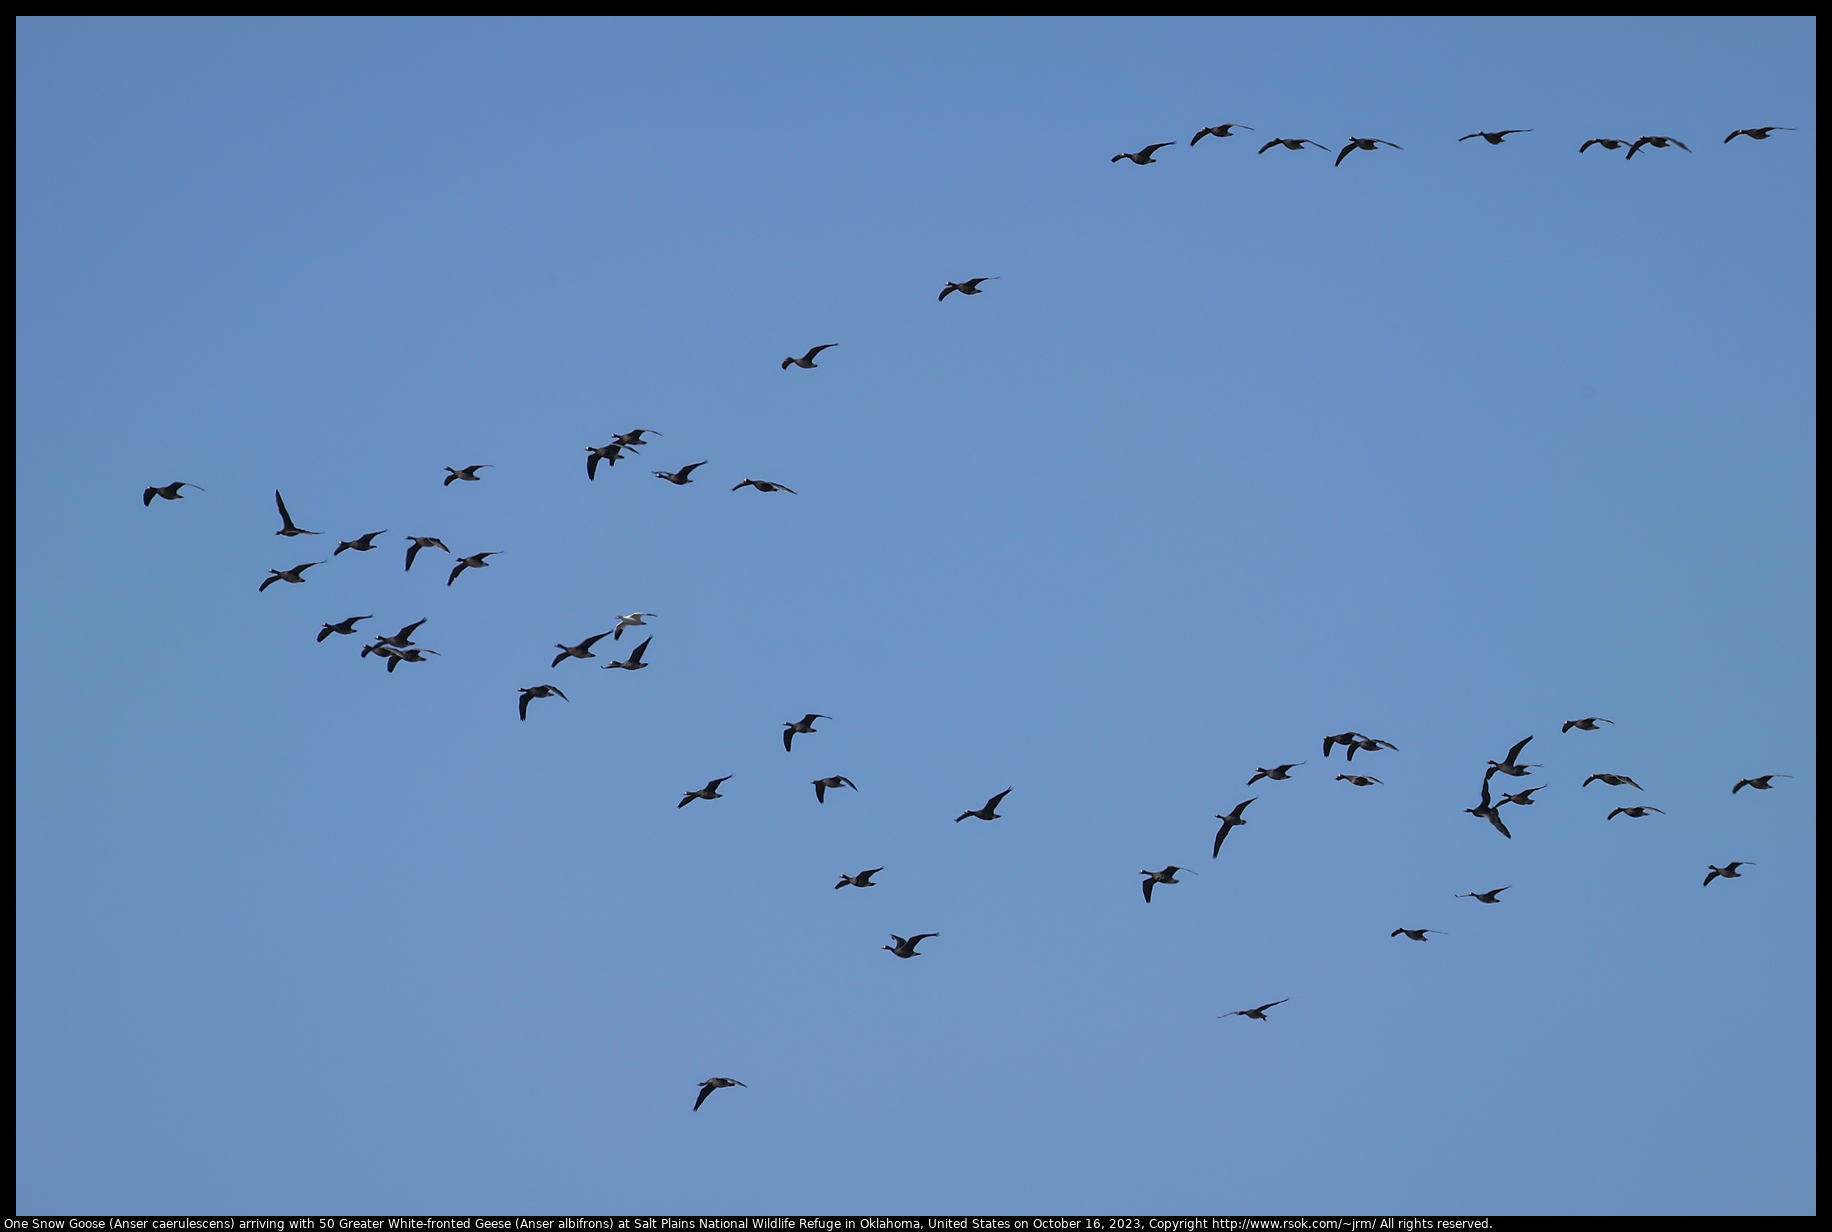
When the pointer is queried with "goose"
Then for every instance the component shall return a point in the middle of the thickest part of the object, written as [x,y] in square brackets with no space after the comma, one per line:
[539,690]
[1659,143]
[1729,870]
[1363,143]
[1608,143]
[416,542]
[1639,810]
[906,948]
[286,519]
[1589,724]
[1760,782]
[1512,767]
[708,792]
[803,726]
[1618,780]
[1760,134]
[1417,934]
[365,543]
[835,781]
[397,657]
[862,880]
[1488,897]
[470,562]
[1496,138]
[969,287]
[1359,780]
[807,361]
[1228,822]
[468,473]
[625,622]
[634,437]
[404,638]
[594,454]
[1219,130]
[677,478]
[582,651]
[289,575]
[343,626]
[1522,797]
[989,813]
[1277,773]
[1145,155]
[1367,744]
[1259,1013]
[711,1085]
[168,492]
[1164,876]
[1290,144]
[763,485]
[634,663]
[1490,813]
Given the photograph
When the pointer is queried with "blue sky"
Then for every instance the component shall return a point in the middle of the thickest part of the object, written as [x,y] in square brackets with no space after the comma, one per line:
[1446,444]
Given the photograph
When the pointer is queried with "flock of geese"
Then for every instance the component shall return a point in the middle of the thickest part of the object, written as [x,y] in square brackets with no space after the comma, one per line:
[400,648]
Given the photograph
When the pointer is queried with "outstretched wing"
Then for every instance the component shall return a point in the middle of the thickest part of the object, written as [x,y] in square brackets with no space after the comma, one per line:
[689,469]
[524,707]
[1515,751]
[992,805]
[636,655]
[706,1088]
[1268,145]
[285,517]
[817,350]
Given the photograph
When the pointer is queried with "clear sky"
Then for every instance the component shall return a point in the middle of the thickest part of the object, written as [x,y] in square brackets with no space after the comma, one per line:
[1446,445]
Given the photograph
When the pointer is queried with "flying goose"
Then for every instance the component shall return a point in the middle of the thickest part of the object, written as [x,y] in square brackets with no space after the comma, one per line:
[1608,143]
[364,544]
[288,575]
[989,813]
[1522,797]
[708,792]
[416,542]
[1511,766]
[1589,724]
[906,948]
[539,690]
[1760,134]
[287,528]
[1145,155]
[344,626]
[1490,813]
[627,439]
[1359,780]
[1496,138]
[404,638]
[1219,130]
[1259,1013]
[1485,898]
[763,485]
[1276,773]
[469,472]
[470,562]
[1290,144]
[677,478]
[1659,143]
[582,651]
[1362,143]
[1617,780]
[1760,782]
[1367,744]
[168,492]
[711,1085]
[835,781]
[594,454]
[863,881]
[807,361]
[1639,810]
[634,663]
[624,622]
[1228,822]
[1729,870]
[397,657]
[803,726]
[969,287]
[1417,934]
[1164,876]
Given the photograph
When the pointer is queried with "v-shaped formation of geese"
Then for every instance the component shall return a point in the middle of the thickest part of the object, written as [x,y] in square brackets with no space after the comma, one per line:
[399,648]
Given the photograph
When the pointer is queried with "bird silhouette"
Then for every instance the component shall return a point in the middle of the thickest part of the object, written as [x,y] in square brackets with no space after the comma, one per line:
[1760,782]
[1362,143]
[1490,813]
[625,622]
[1258,1012]
[834,781]
[286,520]
[343,626]
[1589,724]
[1512,766]
[468,473]
[708,792]
[1164,876]
[1488,897]
[1496,138]
[711,1085]
[1219,130]
[607,454]
[168,492]
[470,562]
[1639,810]
[677,478]
[803,726]
[1228,822]
[539,690]
[1760,134]
[1293,144]
[1359,780]
[906,947]
[1622,780]
[764,486]
[969,287]
[416,542]
[288,575]
[1659,143]
[365,543]
[1276,773]
[632,664]
[1145,155]
[1608,143]
[1729,870]
[582,651]
[807,361]
[1417,934]
[862,880]
[989,813]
